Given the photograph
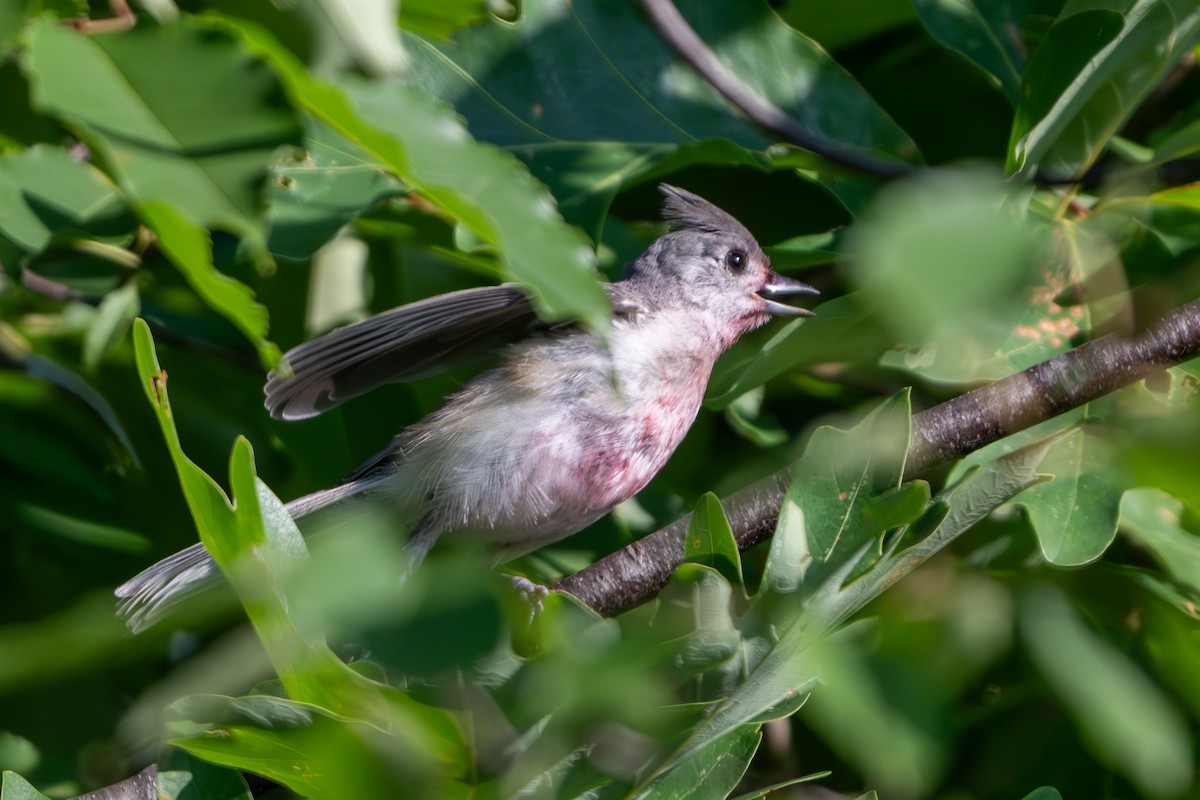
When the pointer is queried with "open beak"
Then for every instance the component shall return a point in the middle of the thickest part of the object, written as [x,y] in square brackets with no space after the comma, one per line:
[783,286]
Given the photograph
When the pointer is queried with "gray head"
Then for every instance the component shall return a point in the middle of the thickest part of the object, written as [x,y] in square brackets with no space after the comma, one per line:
[711,262]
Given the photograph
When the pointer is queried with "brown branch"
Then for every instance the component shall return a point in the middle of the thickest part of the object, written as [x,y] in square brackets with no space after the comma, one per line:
[680,35]
[637,573]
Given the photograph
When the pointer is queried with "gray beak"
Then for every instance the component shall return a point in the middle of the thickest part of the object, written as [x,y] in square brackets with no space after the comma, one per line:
[783,286]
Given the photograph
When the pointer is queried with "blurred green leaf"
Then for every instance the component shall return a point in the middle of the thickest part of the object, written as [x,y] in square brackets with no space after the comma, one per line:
[190,249]
[302,747]
[1151,517]
[87,531]
[354,34]
[44,190]
[421,141]
[45,370]
[17,753]
[947,262]
[14,787]
[1173,648]
[1075,514]
[1132,725]
[746,416]
[1043,793]
[440,18]
[113,318]
[181,115]
[857,719]
[1088,75]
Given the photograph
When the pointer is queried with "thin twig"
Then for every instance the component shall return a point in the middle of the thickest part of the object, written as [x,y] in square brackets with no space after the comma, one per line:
[637,573]
[763,113]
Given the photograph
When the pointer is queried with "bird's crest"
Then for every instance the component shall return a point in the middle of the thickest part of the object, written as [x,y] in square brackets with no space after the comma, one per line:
[687,211]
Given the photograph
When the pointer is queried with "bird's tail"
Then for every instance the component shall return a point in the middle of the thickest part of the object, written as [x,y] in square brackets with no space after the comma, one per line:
[150,595]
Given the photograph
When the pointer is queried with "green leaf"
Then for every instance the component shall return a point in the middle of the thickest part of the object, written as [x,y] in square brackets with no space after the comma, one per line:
[14,787]
[841,473]
[303,747]
[113,318]
[183,777]
[713,772]
[440,18]
[1127,720]
[852,713]
[1181,144]
[1074,514]
[18,753]
[180,115]
[789,556]
[1169,638]
[1043,793]
[1089,74]
[911,250]
[186,122]
[315,193]
[256,544]
[43,191]
[593,99]
[983,32]
[841,331]
[421,141]
[779,675]
[189,248]
[46,370]
[710,539]
[693,621]
[745,416]
[1151,517]
[898,506]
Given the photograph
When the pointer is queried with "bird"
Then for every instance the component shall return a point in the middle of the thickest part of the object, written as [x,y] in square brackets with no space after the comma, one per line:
[567,425]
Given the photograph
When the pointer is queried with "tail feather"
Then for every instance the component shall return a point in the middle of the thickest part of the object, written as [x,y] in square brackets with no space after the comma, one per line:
[149,596]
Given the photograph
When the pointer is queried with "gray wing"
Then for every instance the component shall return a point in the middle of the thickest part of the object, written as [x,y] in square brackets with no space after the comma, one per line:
[404,344]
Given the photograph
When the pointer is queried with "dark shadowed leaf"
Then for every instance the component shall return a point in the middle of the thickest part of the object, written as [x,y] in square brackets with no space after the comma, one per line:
[592,98]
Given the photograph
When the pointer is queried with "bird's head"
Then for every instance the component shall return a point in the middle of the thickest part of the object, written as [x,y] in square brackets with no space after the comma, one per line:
[711,263]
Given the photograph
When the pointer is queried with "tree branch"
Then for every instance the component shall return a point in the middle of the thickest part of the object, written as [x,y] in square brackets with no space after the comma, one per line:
[680,35]
[637,573]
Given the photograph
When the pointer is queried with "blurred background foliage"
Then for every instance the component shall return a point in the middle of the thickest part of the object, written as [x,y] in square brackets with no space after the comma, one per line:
[245,175]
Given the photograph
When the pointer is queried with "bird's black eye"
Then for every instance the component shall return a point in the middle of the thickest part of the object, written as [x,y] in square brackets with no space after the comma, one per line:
[736,260]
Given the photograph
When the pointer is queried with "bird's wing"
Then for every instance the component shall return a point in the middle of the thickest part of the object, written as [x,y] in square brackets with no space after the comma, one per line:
[404,344]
